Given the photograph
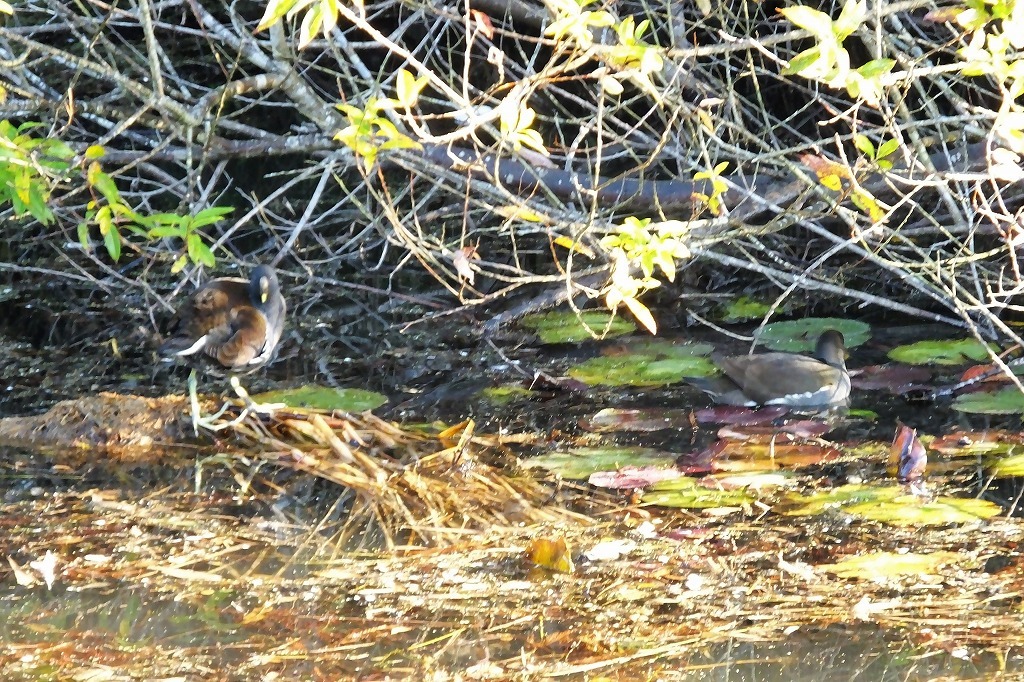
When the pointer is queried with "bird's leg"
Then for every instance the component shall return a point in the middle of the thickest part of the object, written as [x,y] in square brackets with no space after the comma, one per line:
[198,419]
[250,404]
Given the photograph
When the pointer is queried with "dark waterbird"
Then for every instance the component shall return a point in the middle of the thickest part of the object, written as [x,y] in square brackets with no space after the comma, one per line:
[235,322]
[788,379]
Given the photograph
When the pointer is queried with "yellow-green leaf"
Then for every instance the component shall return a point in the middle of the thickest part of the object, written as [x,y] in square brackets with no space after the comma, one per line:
[642,314]
[275,10]
[408,88]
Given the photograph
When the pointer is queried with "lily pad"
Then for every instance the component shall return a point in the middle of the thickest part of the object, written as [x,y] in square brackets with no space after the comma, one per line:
[568,327]
[942,352]
[324,398]
[909,510]
[744,308]
[890,504]
[1011,465]
[1005,401]
[799,336]
[647,364]
[876,565]
[502,395]
[580,463]
[688,493]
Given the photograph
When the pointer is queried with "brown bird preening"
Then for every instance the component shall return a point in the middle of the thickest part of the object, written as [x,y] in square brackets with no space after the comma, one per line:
[787,379]
[236,322]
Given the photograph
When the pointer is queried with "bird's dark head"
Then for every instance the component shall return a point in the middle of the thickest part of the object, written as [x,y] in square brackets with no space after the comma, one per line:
[831,348]
[263,284]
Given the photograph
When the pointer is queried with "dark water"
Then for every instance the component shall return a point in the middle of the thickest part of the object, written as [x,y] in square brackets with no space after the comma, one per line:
[232,571]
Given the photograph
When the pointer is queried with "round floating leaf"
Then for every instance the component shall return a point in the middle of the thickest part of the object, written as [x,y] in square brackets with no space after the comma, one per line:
[580,463]
[568,327]
[938,352]
[651,363]
[811,505]
[670,349]
[889,504]
[688,493]
[910,510]
[502,395]
[325,398]
[798,336]
[1012,465]
[744,308]
[1005,401]
[878,565]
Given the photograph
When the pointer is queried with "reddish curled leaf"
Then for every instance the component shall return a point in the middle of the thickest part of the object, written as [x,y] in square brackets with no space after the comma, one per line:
[701,462]
[909,453]
[942,16]
[486,27]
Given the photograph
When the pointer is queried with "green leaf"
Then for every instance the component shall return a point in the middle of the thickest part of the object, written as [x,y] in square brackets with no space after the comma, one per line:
[193,243]
[688,493]
[568,327]
[313,396]
[83,235]
[647,364]
[1009,466]
[104,183]
[275,10]
[862,143]
[179,264]
[204,255]
[803,61]
[876,68]
[801,335]
[579,463]
[111,237]
[850,18]
[887,148]
[312,22]
[942,352]
[910,510]
[818,23]
[167,231]
[876,565]
[1005,401]
[868,205]
[743,309]
[408,88]
[889,504]
[209,216]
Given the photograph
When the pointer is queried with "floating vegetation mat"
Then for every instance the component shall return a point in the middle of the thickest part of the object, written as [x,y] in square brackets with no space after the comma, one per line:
[236,570]
[426,482]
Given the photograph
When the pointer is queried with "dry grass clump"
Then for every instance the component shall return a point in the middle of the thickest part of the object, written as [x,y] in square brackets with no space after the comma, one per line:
[422,484]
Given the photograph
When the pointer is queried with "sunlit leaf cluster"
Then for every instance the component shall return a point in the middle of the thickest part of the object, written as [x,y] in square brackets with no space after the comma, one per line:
[30,167]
